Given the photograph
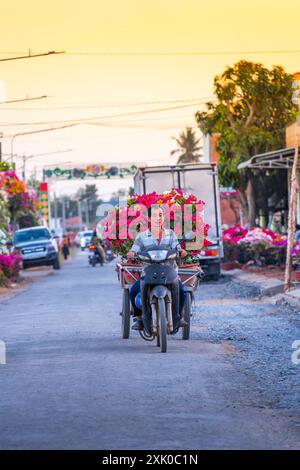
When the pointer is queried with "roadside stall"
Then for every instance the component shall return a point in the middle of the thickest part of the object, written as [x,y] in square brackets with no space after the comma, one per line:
[286,160]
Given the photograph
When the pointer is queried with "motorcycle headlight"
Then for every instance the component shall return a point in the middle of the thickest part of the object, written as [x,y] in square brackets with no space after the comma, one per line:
[158,255]
[172,256]
[143,258]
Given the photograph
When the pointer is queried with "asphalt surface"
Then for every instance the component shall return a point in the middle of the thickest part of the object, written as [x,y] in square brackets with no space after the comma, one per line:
[71,382]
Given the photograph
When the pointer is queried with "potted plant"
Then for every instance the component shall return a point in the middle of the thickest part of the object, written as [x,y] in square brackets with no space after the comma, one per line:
[230,256]
[296,260]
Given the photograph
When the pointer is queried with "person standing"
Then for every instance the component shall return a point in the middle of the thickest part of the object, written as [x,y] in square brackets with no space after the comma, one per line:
[65,247]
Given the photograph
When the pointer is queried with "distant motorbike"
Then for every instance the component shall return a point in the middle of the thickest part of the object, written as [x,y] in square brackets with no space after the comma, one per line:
[95,257]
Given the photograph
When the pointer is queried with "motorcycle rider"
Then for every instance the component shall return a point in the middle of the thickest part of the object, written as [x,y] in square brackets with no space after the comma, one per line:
[98,245]
[166,239]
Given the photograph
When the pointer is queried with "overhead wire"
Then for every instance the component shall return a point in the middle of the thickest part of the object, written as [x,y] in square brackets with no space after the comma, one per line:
[97,118]
[169,53]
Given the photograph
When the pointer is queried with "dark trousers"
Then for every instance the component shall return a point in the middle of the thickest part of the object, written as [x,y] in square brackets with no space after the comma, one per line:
[65,251]
[136,288]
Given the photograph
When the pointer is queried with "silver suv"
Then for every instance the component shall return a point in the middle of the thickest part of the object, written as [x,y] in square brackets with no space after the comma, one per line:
[37,247]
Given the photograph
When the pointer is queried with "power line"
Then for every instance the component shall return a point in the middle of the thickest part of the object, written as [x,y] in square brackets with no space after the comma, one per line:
[31,56]
[110,105]
[23,100]
[157,53]
[183,53]
[112,116]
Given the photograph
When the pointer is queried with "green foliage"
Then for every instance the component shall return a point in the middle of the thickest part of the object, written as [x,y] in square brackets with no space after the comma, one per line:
[2,278]
[261,253]
[230,251]
[254,105]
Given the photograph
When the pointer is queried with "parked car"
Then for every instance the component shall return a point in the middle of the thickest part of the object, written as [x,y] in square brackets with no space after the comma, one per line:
[37,247]
[77,238]
[85,239]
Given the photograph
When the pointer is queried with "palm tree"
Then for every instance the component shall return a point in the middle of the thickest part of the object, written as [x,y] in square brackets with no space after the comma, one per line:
[188,147]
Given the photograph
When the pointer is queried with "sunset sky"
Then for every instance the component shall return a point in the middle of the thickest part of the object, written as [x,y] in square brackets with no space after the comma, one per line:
[83,85]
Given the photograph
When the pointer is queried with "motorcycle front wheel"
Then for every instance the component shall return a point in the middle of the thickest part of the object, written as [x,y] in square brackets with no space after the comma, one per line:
[187,316]
[126,314]
[161,325]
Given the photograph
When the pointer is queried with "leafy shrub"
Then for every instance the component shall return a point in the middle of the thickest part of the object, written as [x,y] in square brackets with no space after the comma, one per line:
[10,265]
[2,278]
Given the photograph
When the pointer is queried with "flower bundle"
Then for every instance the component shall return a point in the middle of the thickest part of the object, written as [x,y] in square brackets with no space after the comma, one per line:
[11,183]
[257,235]
[259,245]
[21,201]
[10,265]
[239,234]
[295,252]
[180,211]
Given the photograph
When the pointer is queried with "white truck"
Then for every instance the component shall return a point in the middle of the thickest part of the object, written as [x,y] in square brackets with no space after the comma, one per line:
[200,179]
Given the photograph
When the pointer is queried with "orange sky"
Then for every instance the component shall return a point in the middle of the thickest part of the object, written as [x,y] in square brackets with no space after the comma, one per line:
[95,86]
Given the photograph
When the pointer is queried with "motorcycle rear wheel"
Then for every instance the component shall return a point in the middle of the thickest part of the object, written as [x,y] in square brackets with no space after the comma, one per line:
[162,326]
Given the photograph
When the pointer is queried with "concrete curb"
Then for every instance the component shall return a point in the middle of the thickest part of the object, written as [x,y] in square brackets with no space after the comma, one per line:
[266,286]
[292,298]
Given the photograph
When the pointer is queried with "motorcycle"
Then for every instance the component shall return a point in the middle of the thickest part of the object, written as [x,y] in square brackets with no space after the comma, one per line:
[95,257]
[159,297]
[109,255]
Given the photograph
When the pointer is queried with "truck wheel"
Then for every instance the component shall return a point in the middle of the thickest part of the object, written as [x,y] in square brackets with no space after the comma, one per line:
[56,264]
[126,314]
[215,276]
[162,325]
[187,316]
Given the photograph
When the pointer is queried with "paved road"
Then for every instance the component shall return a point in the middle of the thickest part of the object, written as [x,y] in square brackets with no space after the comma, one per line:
[70,382]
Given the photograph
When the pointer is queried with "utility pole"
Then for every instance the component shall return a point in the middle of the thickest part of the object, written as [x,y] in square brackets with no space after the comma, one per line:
[25,158]
[79,213]
[63,214]
[48,129]
[1,135]
[23,170]
[87,218]
[55,212]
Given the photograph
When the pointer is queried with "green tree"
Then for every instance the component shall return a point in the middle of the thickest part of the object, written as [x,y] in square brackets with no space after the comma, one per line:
[187,147]
[253,107]
[121,193]
[90,201]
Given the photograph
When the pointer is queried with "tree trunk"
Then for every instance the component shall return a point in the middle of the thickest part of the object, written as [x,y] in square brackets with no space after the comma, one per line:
[251,204]
[291,221]
[231,201]
[243,201]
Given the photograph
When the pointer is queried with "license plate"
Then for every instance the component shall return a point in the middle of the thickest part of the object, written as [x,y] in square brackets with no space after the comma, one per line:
[33,250]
